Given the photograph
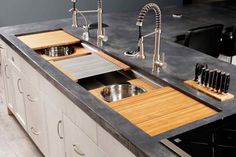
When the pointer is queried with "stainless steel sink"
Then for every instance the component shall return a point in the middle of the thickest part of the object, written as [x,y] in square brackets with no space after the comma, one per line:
[120,91]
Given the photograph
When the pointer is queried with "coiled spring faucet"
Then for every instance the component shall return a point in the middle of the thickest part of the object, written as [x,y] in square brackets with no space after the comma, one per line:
[157,62]
[101,37]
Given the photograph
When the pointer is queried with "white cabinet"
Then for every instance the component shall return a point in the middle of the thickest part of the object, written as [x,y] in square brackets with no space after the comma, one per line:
[9,90]
[35,116]
[110,145]
[55,128]
[17,83]
[2,82]
[77,143]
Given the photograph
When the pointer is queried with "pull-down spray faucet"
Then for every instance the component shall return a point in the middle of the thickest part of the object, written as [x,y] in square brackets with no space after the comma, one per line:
[157,62]
[101,37]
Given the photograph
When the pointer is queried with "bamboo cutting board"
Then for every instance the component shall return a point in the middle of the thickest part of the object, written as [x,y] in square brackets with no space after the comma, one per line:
[48,39]
[161,110]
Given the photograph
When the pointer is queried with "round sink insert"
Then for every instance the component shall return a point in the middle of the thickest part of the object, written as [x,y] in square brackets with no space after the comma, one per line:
[59,51]
[120,91]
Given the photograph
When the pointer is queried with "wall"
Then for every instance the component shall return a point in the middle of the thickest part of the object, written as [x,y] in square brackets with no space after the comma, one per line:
[13,12]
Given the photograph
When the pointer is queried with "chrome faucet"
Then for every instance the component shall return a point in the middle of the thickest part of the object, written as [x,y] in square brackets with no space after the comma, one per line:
[101,37]
[157,61]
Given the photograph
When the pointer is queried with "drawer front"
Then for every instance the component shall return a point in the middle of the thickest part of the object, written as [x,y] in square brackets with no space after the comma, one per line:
[77,143]
[36,118]
[13,57]
[110,145]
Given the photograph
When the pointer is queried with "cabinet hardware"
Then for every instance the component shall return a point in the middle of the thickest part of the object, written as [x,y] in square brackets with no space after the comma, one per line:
[18,86]
[1,47]
[5,69]
[30,99]
[78,151]
[34,131]
[58,129]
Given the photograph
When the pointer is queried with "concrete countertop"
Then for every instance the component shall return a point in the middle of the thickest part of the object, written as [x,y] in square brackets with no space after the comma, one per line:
[122,35]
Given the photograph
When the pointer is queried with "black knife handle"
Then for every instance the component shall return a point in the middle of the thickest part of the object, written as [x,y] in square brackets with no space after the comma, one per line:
[222,82]
[214,82]
[196,72]
[218,80]
[203,76]
[210,78]
[206,77]
[227,82]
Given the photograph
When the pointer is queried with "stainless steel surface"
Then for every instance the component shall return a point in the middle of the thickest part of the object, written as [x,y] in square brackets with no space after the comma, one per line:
[157,62]
[175,148]
[74,11]
[86,66]
[101,37]
[33,130]
[120,91]
[77,150]
[59,51]
[58,129]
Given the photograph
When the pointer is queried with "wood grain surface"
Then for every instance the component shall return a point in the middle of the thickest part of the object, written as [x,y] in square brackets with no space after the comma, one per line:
[48,39]
[161,110]
[218,96]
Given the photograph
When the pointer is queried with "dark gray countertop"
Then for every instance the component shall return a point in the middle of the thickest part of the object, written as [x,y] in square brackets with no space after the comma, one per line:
[122,35]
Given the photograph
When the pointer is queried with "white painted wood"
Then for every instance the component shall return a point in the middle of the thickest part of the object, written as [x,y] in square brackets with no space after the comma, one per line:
[17,83]
[36,117]
[80,118]
[110,145]
[2,78]
[54,128]
[9,89]
[77,143]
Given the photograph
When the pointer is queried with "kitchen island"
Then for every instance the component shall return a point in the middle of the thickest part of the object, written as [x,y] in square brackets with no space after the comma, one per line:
[122,34]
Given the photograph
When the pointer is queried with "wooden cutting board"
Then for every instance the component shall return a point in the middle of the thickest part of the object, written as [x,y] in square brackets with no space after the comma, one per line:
[161,110]
[48,39]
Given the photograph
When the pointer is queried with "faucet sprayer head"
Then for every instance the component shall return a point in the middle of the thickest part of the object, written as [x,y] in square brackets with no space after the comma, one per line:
[147,8]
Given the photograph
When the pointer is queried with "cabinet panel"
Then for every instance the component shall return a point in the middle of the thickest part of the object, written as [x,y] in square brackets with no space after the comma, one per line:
[110,145]
[2,82]
[9,89]
[55,129]
[77,143]
[35,117]
[80,118]
[19,103]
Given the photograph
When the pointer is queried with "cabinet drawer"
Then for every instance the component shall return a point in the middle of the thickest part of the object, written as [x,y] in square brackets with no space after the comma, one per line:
[13,57]
[36,118]
[77,143]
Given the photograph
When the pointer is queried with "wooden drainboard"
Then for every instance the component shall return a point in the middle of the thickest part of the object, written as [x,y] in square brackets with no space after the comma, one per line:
[161,110]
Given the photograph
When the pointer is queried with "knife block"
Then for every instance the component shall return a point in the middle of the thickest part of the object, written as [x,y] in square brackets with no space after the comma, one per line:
[219,96]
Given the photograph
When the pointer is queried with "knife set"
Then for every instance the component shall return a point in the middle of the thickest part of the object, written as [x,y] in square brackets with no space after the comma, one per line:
[215,80]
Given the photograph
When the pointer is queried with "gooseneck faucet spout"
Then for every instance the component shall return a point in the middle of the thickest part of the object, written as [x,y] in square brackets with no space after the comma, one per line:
[157,63]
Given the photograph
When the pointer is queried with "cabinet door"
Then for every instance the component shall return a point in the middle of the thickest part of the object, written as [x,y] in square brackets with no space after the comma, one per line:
[55,130]
[2,88]
[35,117]
[77,143]
[19,97]
[9,89]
